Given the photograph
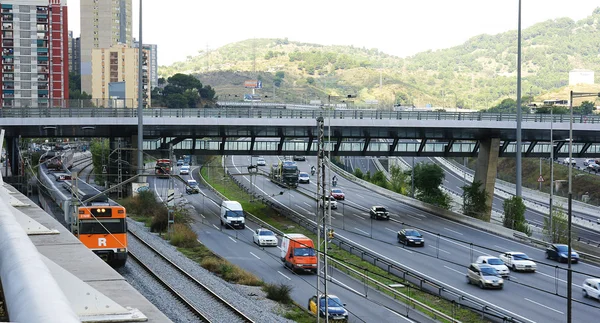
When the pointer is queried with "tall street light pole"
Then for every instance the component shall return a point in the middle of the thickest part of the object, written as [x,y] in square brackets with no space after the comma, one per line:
[140,137]
[551,169]
[519,171]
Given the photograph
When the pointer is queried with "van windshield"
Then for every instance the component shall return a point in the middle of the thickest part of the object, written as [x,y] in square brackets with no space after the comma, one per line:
[234,214]
[304,252]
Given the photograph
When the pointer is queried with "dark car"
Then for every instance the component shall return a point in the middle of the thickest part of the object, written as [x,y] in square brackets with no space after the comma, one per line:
[560,251]
[411,237]
[335,308]
[300,158]
[379,212]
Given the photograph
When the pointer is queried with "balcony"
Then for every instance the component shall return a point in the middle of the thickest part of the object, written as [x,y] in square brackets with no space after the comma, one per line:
[6,61]
[7,17]
[7,26]
[42,87]
[7,52]
[8,68]
[8,77]
[42,69]
[42,20]
[6,10]
[42,62]
[8,95]
[7,35]
[42,78]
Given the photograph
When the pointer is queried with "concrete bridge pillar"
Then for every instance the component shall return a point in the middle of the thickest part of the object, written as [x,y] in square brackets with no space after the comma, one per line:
[12,155]
[486,170]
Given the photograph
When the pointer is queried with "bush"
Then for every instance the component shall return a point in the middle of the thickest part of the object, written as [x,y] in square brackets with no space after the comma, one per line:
[183,236]
[159,222]
[358,173]
[229,272]
[278,292]
[514,215]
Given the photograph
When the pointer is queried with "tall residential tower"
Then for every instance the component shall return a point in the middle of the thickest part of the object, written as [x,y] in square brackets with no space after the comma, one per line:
[104,23]
[34,44]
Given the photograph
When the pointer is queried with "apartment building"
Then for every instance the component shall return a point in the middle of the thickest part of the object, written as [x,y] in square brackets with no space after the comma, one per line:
[74,52]
[115,75]
[153,50]
[34,44]
[104,23]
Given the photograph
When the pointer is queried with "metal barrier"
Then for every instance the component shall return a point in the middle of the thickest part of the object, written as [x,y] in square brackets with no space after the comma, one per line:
[30,291]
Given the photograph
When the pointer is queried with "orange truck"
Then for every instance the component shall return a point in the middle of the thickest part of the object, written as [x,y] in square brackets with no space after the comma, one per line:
[298,253]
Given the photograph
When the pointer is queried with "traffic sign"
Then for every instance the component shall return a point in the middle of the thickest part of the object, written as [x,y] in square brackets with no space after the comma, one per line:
[541,179]
[171,198]
[104,169]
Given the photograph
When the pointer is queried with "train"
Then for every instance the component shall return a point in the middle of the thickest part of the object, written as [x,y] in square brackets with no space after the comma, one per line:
[100,224]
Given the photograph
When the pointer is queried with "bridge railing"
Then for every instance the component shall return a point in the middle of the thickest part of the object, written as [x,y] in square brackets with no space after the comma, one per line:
[93,112]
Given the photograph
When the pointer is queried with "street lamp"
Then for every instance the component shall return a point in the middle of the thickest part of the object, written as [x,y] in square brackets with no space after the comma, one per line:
[570,203]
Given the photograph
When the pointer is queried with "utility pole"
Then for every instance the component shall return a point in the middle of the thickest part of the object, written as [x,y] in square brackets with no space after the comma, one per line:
[519,112]
[322,222]
[140,135]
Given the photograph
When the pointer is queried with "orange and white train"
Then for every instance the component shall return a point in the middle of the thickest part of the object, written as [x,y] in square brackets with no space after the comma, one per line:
[100,224]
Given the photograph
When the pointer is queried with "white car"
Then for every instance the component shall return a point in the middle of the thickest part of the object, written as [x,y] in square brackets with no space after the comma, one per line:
[303,178]
[496,263]
[265,237]
[571,161]
[332,201]
[591,288]
[517,261]
[589,161]
[261,162]
[184,170]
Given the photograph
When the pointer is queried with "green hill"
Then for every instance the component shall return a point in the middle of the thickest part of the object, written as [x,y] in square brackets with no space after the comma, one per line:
[477,74]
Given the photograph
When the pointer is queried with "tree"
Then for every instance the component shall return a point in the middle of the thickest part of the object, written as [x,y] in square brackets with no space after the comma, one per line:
[358,173]
[379,179]
[428,178]
[399,180]
[514,215]
[100,151]
[474,200]
[560,229]
[585,108]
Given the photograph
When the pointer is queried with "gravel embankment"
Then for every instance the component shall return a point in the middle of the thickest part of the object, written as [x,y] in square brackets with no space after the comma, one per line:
[250,300]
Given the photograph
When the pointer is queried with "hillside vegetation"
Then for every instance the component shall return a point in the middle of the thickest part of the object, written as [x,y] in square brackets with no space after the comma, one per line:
[477,74]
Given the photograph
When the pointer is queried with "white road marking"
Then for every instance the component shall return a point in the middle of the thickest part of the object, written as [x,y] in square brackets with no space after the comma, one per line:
[284,275]
[542,305]
[303,209]
[561,280]
[453,231]
[440,249]
[361,230]
[405,249]
[390,230]
[247,228]
[257,257]
[216,227]
[292,195]
[202,215]
[400,316]
[358,216]
[497,246]
[454,270]
[232,239]
[310,205]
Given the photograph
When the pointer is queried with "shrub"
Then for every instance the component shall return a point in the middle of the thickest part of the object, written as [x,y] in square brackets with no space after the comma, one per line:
[229,272]
[183,236]
[358,173]
[159,222]
[278,292]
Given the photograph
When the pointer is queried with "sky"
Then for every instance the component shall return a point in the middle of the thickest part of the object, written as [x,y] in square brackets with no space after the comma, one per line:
[396,27]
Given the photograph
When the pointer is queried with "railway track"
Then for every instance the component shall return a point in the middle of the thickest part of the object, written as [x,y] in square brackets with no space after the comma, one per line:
[205,313]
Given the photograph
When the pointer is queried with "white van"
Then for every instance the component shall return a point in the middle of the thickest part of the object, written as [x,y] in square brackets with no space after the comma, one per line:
[232,215]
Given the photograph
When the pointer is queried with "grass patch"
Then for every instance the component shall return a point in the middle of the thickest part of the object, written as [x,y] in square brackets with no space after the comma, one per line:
[279,292]
[230,189]
[183,236]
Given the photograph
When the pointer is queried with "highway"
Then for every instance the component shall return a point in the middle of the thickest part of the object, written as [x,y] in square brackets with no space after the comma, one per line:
[237,247]
[538,297]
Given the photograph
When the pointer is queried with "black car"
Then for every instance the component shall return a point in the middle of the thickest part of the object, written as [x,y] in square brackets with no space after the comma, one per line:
[379,212]
[411,237]
[300,158]
[560,251]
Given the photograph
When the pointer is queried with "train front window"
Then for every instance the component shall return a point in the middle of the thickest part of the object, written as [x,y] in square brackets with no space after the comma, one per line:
[95,226]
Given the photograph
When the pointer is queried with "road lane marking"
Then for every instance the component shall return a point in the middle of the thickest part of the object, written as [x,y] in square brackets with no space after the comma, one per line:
[310,205]
[405,249]
[453,231]
[216,227]
[303,209]
[542,305]
[440,249]
[250,229]
[232,239]
[358,216]
[361,230]
[454,270]
[257,257]
[399,315]
[292,195]
[284,275]
[390,230]
[561,280]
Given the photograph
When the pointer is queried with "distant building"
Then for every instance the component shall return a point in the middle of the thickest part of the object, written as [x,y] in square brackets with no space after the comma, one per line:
[580,76]
[115,76]
[34,45]
[153,50]
[75,56]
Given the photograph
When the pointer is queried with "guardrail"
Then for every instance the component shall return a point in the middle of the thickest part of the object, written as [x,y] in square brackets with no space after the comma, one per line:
[426,284]
[93,112]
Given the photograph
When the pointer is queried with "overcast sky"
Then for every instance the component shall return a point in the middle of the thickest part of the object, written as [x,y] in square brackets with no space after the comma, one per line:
[398,27]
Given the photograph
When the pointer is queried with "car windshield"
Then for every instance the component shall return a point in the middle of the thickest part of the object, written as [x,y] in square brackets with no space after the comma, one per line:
[266,233]
[379,209]
[489,271]
[261,159]
[303,175]
[336,191]
[193,184]
[520,256]
[495,261]
[413,233]
[332,302]
[562,248]
[234,214]
[304,252]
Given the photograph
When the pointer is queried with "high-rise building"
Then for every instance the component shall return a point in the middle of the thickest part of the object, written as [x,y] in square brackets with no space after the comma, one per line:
[104,23]
[34,45]
[153,50]
[115,76]
[74,49]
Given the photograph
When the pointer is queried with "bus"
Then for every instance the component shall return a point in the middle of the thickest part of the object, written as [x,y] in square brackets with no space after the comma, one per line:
[163,167]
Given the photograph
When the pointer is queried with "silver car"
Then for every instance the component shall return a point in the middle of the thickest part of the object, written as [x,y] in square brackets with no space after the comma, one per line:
[485,276]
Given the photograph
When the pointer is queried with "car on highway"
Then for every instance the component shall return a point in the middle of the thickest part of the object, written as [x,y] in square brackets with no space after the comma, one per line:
[591,288]
[184,170]
[303,177]
[593,167]
[180,162]
[299,158]
[411,237]
[517,261]
[336,310]
[379,212]
[192,187]
[261,162]
[559,252]
[495,262]
[589,161]
[331,200]
[265,237]
[338,194]
[485,276]
[571,161]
